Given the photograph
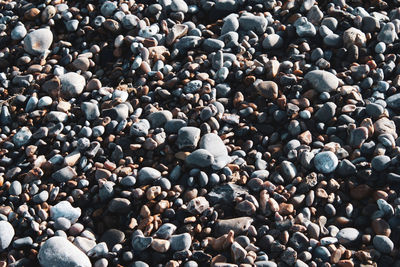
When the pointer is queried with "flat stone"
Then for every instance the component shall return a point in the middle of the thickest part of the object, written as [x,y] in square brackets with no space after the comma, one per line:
[84,244]
[160,245]
[119,205]
[91,110]
[322,81]
[393,101]
[380,163]
[226,194]
[353,36]
[200,158]
[165,231]
[22,137]
[216,147]
[326,112]
[267,89]
[249,22]
[58,251]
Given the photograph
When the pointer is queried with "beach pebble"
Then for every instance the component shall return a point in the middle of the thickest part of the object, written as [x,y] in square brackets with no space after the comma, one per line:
[6,234]
[38,41]
[322,81]
[325,162]
[72,84]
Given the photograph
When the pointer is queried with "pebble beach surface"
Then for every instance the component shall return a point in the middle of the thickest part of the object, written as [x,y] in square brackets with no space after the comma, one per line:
[199,133]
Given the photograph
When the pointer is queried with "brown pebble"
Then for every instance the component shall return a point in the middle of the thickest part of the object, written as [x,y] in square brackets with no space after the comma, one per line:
[160,245]
[268,89]
[381,227]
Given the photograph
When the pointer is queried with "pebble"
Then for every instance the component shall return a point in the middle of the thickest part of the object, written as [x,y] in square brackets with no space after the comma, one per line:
[180,242]
[188,137]
[91,110]
[272,41]
[22,137]
[19,32]
[348,235]
[380,163]
[322,81]
[147,175]
[66,210]
[7,233]
[72,84]
[383,244]
[325,162]
[58,251]
[159,118]
[38,41]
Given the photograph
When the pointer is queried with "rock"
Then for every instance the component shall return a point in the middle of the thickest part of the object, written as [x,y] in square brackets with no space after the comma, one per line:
[385,126]
[15,188]
[200,158]
[84,244]
[38,41]
[289,256]
[160,245]
[72,84]
[393,101]
[108,8]
[22,137]
[65,174]
[91,110]
[193,86]
[180,242]
[358,136]
[289,170]
[62,223]
[237,225]
[211,45]
[198,205]
[65,209]
[216,147]
[6,234]
[326,112]
[325,162]
[322,81]
[231,24]
[322,253]
[383,244]
[112,237]
[348,236]
[250,22]
[346,168]
[18,32]
[226,194]
[179,6]
[188,137]
[140,242]
[159,118]
[304,28]
[353,36]
[57,116]
[380,163]
[140,128]
[165,231]
[119,205]
[81,63]
[387,34]
[58,251]
[267,89]
[272,41]
[148,175]
[177,31]
[238,252]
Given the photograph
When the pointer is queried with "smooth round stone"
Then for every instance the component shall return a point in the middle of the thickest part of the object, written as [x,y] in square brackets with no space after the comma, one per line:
[140,128]
[388,33]
[165,231]
[6,234]
[272,41]
[383,244]
[22,137]
[58,251]
[72,25]
[148,175]
[322,253]
[193,86]
[325,162]
[211,45]
[62,224]
[15,188]
[140,242]
[322,81]
[289,170]
[72,84]
[380,163]
[128,181]
[38,41]
[45,102]
[380,48]
[119,205]
[112,237]
[18,32]
[130,21]
[41,197]
[23,242]
[348,235]
[249,22]
[139,264]
[231,24]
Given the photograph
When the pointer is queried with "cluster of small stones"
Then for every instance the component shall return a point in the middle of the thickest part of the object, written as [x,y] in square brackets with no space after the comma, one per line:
[199,133]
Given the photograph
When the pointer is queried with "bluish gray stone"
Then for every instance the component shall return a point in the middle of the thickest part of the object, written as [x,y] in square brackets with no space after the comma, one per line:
[181,242]
[188,137]
[91,110]
[65,174]
[66,210]
[322,81]
[58,251]
[38,41]
[325,161]
[148,175]
[22,137]
[383,244]
[348,235]
[72,84]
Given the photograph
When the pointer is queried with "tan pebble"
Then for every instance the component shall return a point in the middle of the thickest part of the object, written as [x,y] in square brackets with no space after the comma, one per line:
[305,137]
[286,209]
[381,227]
[32,13]
[267,89]
[160,245]
[153,192]
[360,192]
[93,84]
[81,63]
[102,174]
